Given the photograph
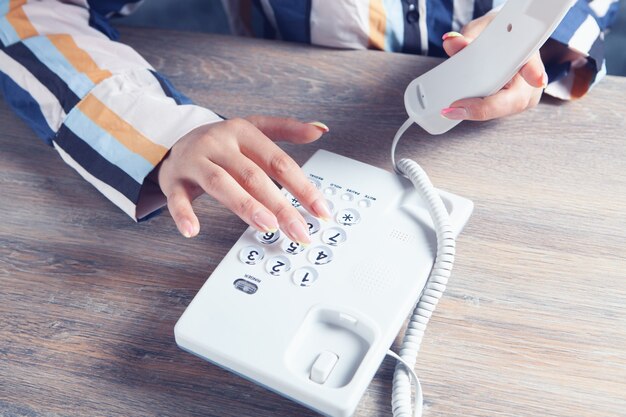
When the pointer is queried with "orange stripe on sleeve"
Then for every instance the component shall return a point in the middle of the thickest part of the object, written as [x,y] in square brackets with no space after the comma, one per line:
[79,59]
[121,130]
[20,22]
[378,23]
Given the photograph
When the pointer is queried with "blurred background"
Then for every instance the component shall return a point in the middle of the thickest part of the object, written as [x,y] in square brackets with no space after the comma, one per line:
[209,16]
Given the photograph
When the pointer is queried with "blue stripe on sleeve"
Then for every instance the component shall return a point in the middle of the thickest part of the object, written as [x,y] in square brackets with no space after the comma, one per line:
[394,29]
[571,22]
[49,55]
[109,7]
[481,7]
[49,79]
[609,18]
[4,7]
[170,90]
[439,21]
[293,19]
[96,165]
[26,107]
[8,36]
[106,145]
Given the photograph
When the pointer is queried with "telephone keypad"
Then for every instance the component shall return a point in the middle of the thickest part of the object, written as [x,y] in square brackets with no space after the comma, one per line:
[286,256]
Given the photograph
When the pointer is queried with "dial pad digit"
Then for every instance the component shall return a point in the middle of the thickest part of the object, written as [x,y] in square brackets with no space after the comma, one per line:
[312,223]
[291,247]
[334,236]
[348,217]
[320,255]
[304,277]
[251,255]
[267,237]
[277,265]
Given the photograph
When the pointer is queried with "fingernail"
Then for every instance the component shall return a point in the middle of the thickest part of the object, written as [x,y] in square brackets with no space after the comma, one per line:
[455,113]
[321,209]
[450,35]
[320,125]
[265,221]
[186,228]
[544,80]
[298,232]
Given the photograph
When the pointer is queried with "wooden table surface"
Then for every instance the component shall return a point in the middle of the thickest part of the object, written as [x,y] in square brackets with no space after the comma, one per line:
[534,319]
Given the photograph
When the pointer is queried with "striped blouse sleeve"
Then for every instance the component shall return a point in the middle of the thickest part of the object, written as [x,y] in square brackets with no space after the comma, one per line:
[582,31]
[96,101]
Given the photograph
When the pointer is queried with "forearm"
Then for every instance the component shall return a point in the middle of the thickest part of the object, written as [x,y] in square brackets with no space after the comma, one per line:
[95,100]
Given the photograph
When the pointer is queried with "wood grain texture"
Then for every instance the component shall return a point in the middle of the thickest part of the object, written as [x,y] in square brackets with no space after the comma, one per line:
[534,320]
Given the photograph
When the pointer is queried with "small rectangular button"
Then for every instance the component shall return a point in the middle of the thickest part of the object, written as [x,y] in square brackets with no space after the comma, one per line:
[323,366]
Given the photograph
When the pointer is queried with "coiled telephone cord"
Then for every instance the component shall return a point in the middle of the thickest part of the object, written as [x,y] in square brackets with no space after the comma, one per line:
[432,292]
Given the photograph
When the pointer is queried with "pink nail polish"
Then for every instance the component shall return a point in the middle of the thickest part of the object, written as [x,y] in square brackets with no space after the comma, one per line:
[455,113]
[450,35]
[265,221]
[321,209]
[320,126]
[298,233]
[186,228]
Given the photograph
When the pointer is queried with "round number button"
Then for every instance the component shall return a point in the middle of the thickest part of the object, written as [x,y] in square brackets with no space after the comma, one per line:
[276,265]
[334,236]
[267,238]
[291,247]
[364,203]
[251,255]
[320,255]
[330,191]
[347,197]
[348,217]
[312,223]
[304,277]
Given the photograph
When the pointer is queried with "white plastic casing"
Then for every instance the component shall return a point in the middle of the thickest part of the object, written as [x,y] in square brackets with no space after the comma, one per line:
[485,65]
[285,336]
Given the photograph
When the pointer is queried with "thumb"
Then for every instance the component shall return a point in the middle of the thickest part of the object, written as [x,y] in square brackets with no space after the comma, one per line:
[179,206]
[289,130]
[453,42]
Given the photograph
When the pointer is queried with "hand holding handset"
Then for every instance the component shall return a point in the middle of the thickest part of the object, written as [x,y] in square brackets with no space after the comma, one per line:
[485,65]
[314,324]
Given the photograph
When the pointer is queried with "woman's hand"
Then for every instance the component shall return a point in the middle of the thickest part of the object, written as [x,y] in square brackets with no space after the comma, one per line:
[521,93]
[233,161]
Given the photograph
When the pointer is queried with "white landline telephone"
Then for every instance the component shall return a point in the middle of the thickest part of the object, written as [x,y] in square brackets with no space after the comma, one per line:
[313,324]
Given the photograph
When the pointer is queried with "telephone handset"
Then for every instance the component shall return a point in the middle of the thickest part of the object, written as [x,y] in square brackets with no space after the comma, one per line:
[313,324]
[485,65]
